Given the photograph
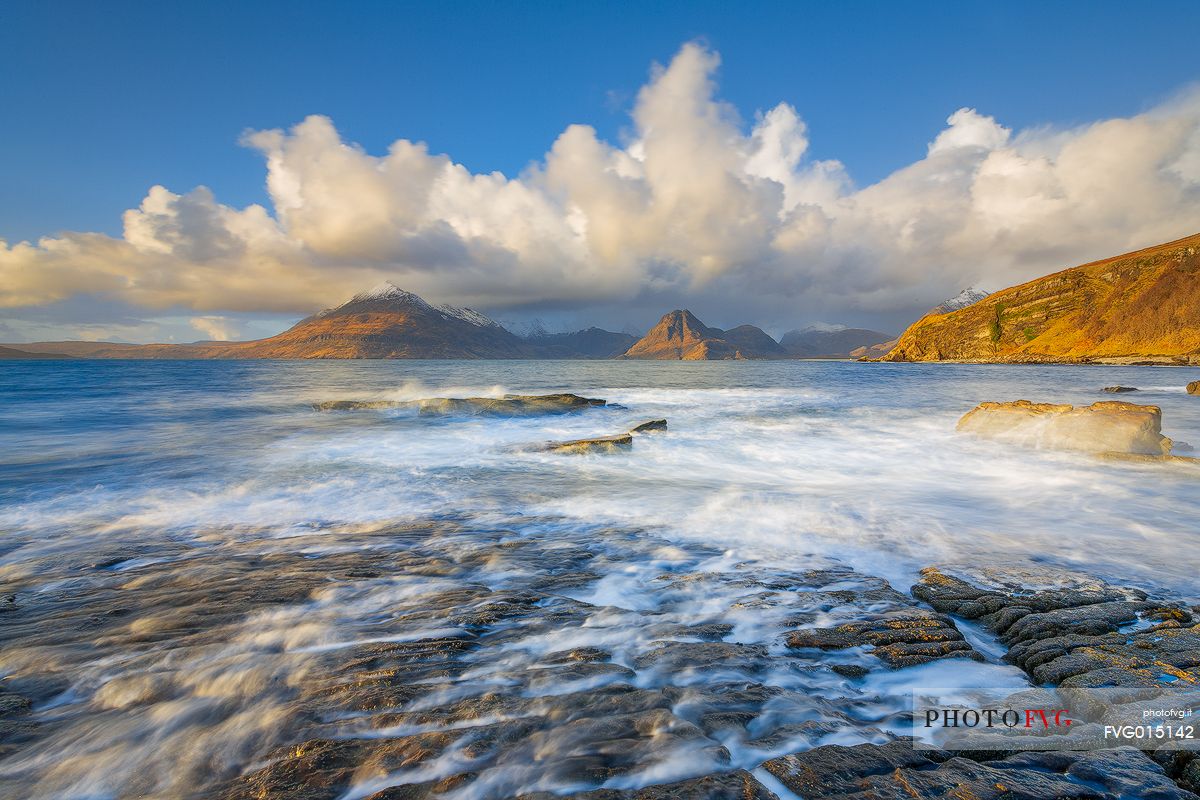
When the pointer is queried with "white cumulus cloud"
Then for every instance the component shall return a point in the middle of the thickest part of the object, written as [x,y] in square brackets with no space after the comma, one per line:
[698,203]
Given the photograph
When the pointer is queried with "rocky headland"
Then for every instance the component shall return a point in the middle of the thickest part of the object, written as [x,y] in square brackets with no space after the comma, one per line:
[1140,307]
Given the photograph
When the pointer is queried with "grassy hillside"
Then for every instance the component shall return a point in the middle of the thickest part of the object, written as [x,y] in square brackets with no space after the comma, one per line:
[1143,305]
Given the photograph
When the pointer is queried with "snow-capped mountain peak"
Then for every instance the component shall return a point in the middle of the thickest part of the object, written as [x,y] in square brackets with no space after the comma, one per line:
[389,291]
[967,297]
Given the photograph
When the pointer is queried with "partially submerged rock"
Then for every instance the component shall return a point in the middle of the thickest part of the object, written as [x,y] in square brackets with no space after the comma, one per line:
[454,689]
[321,769]
[510,405]
[596,444]
[605,444]
[1107,427]
[358,405]
[1193,387]
[1120,389]
[1078,637]
[899,639]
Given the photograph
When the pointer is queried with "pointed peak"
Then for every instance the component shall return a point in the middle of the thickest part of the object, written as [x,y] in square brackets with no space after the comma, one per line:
[388,291]
[683,323]
[679,313]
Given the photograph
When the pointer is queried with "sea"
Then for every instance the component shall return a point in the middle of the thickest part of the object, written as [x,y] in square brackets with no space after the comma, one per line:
[198,570]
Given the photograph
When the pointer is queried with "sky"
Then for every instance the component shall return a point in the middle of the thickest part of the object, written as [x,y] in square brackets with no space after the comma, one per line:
[172,172]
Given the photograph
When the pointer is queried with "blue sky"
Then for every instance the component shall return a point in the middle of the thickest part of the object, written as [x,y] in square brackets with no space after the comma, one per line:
[102,101]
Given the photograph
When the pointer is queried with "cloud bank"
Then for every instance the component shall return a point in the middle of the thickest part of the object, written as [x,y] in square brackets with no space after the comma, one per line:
[697,203]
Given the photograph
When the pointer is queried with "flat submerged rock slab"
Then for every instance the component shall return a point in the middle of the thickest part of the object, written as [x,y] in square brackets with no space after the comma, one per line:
[1078,637]
[510,405]
[1111,426]
[596,444]
[899,639]
[605,444]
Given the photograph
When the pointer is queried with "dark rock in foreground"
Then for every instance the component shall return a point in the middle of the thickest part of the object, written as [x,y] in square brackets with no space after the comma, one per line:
[322,768]
[1076,637]
[899,639]
[897,770]
[475,674]
[510,405]
[652,425]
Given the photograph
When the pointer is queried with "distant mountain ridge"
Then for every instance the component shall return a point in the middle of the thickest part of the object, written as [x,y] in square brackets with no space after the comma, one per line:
[14,354]
[681,336]
[1139,306]
[390,322]
[589,343]
[830,342]
[383,322]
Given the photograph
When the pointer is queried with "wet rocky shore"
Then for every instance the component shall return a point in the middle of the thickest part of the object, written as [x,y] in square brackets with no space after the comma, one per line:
[503,658]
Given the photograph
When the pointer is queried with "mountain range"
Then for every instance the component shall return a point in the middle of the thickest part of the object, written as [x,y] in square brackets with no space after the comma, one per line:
[389,322]
[1140,306]
[832,342]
